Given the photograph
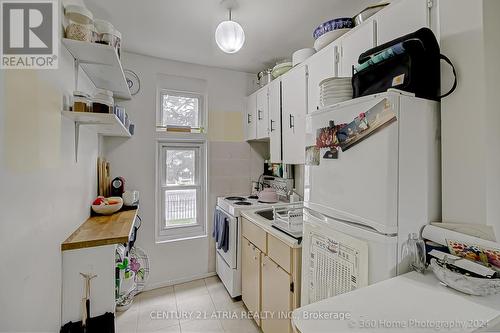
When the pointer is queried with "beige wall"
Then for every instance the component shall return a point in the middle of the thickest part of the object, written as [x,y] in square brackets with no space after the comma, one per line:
[44,194]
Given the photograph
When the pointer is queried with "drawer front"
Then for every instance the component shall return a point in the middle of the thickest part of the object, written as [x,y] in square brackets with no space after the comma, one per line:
[254,234]
[279,252]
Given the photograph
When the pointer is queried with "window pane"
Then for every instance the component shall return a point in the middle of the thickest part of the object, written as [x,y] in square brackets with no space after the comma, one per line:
[180,207]
[180,111]
[180,167]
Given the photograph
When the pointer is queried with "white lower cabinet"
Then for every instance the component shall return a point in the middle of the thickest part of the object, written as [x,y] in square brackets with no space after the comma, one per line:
[294,109]
[250,272]
[276,297]
[275,121]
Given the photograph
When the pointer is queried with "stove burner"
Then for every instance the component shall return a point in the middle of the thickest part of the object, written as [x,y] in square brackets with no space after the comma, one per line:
[242,203]
[253,197]
[236,199]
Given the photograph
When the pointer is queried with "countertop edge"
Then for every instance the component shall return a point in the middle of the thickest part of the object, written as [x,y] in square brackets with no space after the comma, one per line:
[69,244]
[264,224]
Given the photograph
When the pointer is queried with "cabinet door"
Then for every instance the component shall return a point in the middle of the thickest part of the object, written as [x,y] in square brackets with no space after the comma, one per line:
[250,119]
[323,65]
[294,106]
[250,276]
[353,44]
[275,121]
[276,297]
[401,18]
[262,114]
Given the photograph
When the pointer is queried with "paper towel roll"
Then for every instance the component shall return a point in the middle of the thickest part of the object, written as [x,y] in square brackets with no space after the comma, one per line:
[440,235]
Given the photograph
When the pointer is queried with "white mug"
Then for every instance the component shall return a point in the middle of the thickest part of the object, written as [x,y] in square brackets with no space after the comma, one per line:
[130,198]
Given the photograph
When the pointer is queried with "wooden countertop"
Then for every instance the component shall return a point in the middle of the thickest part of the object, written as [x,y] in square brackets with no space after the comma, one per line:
[102,230]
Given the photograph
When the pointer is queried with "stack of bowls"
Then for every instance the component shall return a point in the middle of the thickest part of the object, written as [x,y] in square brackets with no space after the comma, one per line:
[281,68]
[335,90]
[329,31]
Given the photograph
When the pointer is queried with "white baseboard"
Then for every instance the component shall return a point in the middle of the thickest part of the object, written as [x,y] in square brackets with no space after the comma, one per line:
[177,281]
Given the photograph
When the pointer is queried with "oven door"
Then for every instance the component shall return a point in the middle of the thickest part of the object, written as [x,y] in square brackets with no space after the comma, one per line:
[230,256]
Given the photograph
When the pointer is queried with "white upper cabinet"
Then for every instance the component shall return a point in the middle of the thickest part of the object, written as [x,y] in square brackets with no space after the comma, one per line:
[294,105]
[275,121]
[262,113]
[250,118]
[355,42]
[401,18]
[322,65]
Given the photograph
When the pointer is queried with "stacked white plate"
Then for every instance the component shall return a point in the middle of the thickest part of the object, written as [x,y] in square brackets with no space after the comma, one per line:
[335,90]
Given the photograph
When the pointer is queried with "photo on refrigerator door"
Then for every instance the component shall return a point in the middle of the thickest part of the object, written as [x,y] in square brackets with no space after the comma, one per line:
[364,125]
[327,141]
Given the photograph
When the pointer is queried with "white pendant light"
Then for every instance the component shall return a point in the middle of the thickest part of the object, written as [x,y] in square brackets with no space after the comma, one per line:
[229,35]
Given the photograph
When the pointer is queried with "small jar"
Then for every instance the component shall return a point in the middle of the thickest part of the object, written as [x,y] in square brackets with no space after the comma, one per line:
[80,23]
[103,101]
[81,102]
[105,32]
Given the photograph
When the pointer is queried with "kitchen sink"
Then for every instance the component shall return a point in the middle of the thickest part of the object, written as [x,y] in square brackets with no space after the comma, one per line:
[267,214]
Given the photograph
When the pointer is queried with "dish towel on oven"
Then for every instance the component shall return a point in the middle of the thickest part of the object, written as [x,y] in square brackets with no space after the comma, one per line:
[221,230]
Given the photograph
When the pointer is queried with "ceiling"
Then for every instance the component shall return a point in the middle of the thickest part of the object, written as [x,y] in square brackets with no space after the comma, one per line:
[183,30]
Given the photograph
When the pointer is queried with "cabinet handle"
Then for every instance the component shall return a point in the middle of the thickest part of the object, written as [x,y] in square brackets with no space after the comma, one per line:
[249,118]
[292,121]
[272,122]
[258,114]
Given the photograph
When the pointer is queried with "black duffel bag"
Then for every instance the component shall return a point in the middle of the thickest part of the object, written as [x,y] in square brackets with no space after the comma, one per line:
[409,63]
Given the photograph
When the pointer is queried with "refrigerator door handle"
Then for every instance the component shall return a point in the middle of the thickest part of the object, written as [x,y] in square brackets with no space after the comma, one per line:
[315,214]
[324,218]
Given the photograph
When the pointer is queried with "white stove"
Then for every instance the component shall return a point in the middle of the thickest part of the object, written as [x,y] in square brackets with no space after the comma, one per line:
[228,263]
[235,204]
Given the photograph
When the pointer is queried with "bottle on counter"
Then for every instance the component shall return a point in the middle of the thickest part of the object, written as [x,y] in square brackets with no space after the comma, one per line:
[413,252]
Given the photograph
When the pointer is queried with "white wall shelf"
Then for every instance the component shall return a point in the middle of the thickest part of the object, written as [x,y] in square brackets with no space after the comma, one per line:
[105,124]
[102,65]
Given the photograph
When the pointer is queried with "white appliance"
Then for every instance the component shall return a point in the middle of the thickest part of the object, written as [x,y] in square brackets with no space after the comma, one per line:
[228,264]
[360,208]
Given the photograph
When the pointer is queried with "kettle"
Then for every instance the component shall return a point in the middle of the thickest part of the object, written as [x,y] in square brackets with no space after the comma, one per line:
[268,195]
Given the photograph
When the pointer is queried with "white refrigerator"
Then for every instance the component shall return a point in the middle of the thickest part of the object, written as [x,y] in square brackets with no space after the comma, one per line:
[361,206]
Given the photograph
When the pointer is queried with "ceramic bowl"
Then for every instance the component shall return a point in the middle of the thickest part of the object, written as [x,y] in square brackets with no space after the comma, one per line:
[466,284]
[281,69]
[108,209]
[335,24]
[301,55]
[328,37]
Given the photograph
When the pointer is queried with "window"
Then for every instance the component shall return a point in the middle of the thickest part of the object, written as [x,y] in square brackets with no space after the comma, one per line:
[181,189]
[180,109]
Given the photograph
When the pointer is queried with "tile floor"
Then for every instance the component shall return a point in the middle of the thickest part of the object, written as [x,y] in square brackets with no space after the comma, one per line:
[152,311]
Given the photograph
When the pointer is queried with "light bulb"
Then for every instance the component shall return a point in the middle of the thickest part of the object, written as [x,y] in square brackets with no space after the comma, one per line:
[229,36]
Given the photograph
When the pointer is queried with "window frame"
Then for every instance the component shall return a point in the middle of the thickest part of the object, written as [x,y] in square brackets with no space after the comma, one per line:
[202,117]
[166,233]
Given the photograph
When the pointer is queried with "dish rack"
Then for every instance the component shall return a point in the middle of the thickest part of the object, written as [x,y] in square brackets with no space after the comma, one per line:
[289,219]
